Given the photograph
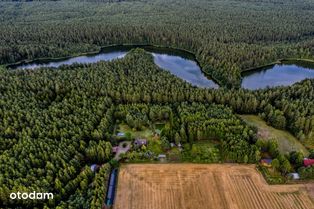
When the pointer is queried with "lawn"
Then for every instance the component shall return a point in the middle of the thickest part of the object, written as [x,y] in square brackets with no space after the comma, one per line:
[145,133]
[286,141]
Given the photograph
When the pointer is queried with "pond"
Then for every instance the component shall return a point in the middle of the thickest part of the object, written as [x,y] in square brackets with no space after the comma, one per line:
[178,62]
[284,74]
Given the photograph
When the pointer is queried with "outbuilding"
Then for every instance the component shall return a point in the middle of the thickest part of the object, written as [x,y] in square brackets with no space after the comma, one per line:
[162,157]
[294,176]
[140,142]
[308,162]
[121,134]
[266,162]
[94,167]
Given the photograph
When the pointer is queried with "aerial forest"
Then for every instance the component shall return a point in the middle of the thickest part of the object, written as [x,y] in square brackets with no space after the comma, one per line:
[227,36]
[56,123]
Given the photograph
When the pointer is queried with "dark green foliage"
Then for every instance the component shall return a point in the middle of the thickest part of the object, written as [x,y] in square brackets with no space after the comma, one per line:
[99,191]
[90,193]
[227,36]
[203,122]
[195,122]
[56,122]
[306,172]
[98,152]
[50,116]
[296,158]
[202,153]
[270,178]
[311,156]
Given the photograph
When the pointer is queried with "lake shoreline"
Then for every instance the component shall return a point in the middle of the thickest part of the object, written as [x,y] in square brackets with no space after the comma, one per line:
[186,54]
[101,49]
[285,73]
[179,62]
[279,61]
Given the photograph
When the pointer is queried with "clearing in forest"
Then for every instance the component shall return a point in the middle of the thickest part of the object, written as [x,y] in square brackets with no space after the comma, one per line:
[144,133]
[201,186]
[286,141]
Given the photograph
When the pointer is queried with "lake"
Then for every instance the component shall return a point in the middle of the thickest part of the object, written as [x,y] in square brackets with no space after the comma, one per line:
[184,65]
[178,62]
[284,74]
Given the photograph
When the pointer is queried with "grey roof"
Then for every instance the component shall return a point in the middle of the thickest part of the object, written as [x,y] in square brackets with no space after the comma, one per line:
[140,141]
[93,167]
[161,156]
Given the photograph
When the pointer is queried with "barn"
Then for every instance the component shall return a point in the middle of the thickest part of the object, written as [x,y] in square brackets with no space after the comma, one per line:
[308,162]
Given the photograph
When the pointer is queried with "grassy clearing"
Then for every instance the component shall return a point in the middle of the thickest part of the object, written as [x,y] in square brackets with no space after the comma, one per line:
[286,141]
[144,133]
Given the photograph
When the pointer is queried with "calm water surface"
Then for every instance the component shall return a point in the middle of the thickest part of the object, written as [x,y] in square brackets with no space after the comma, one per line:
[70,61]
[277,75]
[185,69]
[183,65]
[179,63]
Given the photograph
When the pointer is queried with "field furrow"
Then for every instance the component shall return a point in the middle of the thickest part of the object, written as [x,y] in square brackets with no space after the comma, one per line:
[200,186]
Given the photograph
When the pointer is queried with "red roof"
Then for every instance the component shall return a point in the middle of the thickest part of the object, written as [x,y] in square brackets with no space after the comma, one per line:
[308,162]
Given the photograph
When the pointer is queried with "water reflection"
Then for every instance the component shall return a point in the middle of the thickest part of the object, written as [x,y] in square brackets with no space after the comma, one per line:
[176,62]
[183,68]
[277,75]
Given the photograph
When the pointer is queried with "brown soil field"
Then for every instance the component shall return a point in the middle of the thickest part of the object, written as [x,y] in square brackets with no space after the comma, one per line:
[200,186]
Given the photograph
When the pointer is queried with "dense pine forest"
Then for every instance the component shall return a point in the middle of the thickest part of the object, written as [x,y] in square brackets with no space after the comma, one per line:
[227,36]
[55,123]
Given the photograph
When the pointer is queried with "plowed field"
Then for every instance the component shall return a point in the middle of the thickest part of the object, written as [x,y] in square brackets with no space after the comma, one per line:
[199,186]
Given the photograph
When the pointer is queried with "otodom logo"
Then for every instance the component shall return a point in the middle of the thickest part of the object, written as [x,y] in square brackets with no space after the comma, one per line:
[32,195]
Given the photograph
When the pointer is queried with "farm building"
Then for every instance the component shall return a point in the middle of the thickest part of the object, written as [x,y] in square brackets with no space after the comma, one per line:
[111,188]
[162,157]
[140,142]
[308,162]
[266,162]
[121,134]
[294,176]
